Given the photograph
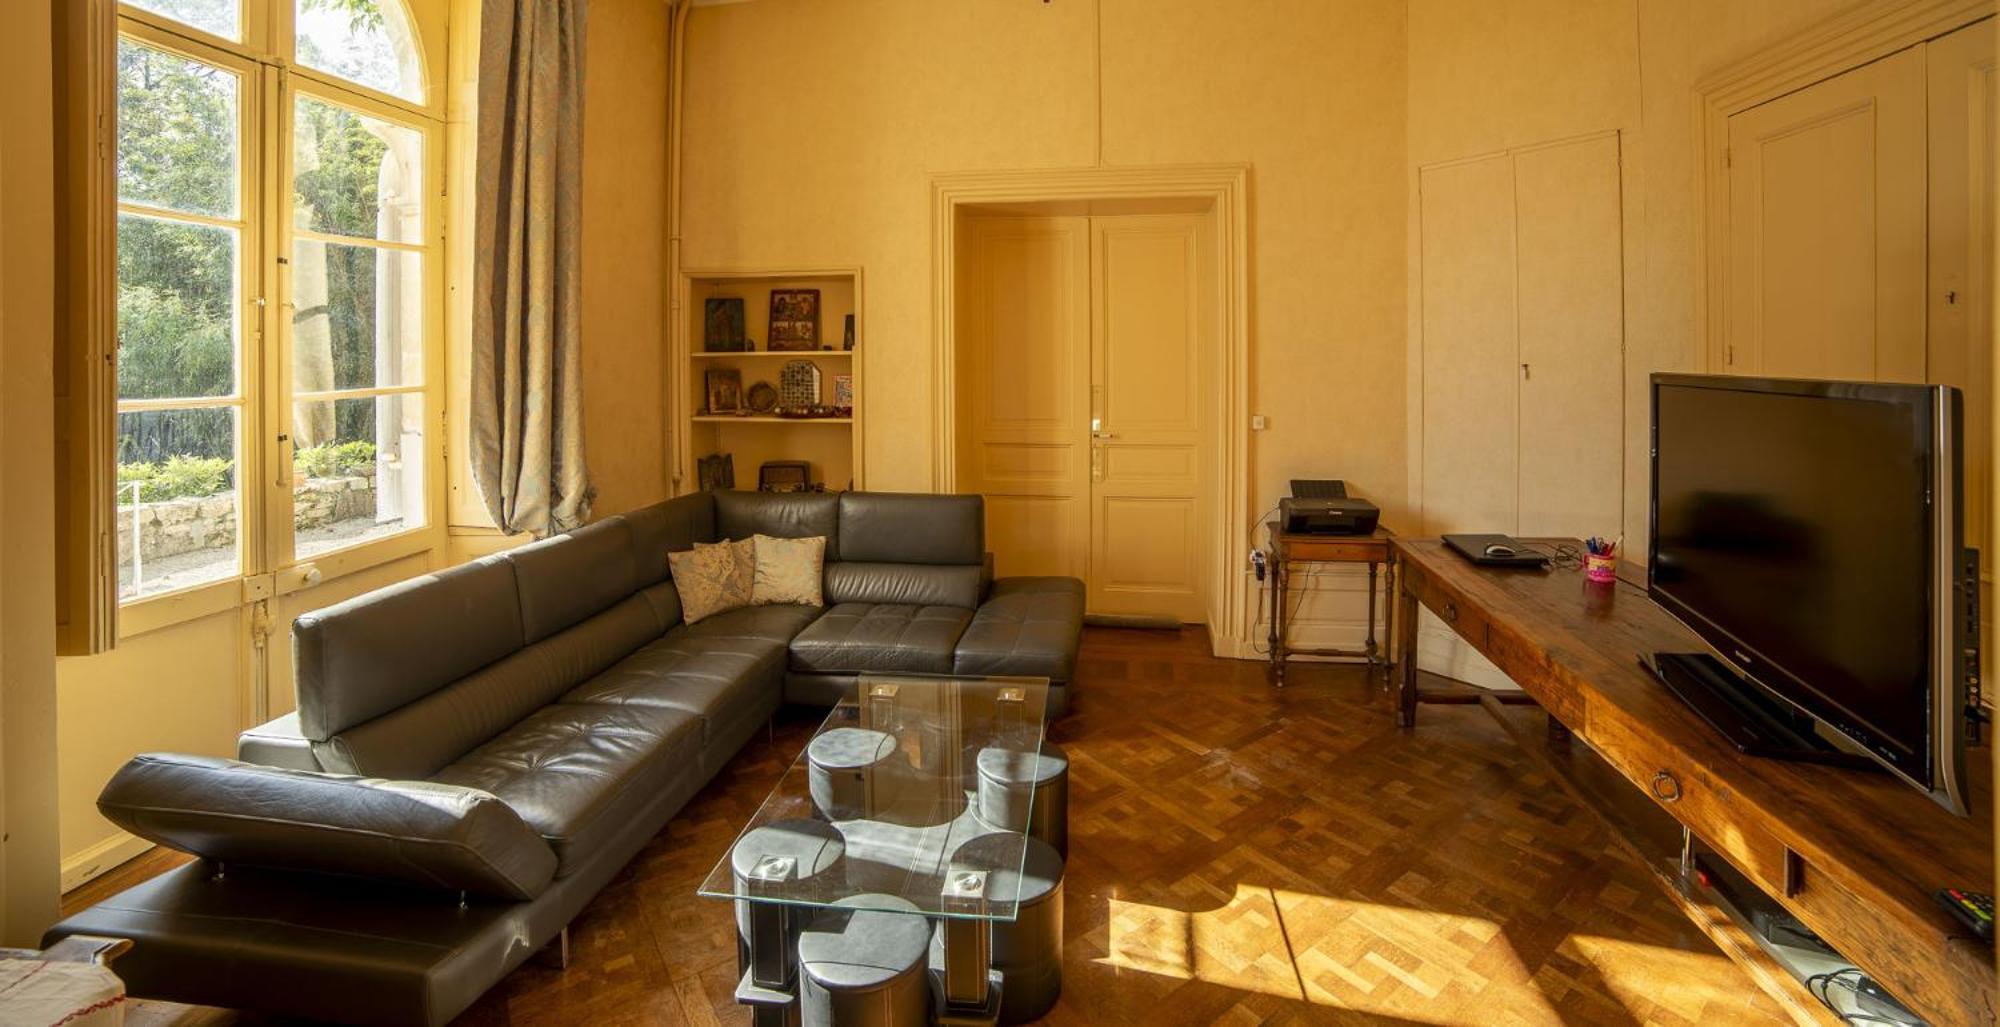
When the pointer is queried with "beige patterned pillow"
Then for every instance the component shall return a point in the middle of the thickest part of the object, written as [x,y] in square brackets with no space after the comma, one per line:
[788,570]
[713,577]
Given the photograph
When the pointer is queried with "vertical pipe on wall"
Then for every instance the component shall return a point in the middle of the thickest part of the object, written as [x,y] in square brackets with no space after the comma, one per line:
[676,90]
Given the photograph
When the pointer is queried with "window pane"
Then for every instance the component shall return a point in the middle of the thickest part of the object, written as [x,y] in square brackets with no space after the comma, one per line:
[177,124]
[177,507]
[365,41]
[177,312]
[355,175]
[358,471]
[358,317]
[221,17]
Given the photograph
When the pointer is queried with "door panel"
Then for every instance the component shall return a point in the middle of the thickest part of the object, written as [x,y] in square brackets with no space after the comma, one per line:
[1571,324]
[1960,296]
[1826,252]
[1149,352]
[1469,319]
[1023,385]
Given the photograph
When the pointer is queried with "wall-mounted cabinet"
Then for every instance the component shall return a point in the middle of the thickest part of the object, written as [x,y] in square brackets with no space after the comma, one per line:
[724,423]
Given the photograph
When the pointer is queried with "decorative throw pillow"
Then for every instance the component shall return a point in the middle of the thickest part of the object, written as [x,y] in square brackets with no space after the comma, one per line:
[713,577]
[788,570]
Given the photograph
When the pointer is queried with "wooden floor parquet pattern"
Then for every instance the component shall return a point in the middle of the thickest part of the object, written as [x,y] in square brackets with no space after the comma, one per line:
[1238,855]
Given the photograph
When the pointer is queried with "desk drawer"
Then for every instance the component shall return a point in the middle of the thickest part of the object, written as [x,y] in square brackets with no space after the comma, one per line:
[1695,799]
[1460,617]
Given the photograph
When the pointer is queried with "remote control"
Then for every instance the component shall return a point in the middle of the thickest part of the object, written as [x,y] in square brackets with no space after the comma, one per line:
[1971,908]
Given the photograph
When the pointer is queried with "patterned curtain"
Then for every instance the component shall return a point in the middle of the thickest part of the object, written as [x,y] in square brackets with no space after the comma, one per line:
[527,371]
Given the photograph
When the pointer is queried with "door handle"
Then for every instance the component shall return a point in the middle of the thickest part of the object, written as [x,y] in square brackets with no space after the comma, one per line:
[1103,435]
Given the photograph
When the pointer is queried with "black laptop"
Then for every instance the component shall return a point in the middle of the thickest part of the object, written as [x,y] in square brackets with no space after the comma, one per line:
[1496,551]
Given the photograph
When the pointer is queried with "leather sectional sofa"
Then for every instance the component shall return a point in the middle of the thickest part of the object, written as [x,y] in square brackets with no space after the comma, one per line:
[477,752]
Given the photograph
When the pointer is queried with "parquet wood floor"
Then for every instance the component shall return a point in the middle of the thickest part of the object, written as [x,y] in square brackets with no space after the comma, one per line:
[1238,855]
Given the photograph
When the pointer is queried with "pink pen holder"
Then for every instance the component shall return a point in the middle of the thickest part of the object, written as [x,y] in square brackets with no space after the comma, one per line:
[1600,568]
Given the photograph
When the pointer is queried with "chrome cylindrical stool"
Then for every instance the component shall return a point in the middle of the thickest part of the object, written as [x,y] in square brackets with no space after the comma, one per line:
[860,966]
[1028,952]
[1008,779]
[813,847]
[848,772]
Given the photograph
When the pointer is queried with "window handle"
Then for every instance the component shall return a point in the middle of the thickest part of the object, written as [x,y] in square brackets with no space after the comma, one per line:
[284,460]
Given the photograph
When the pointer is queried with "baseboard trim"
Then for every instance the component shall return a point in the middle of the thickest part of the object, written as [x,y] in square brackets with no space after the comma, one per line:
[95,860]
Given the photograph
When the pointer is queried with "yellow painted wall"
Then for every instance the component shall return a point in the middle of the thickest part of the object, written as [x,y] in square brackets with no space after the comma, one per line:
[1487,75]
[28,844]
[813,127]
[625,328]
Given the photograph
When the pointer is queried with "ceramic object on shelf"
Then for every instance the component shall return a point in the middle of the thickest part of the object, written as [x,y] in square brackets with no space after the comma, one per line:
[798,384]
[762,398]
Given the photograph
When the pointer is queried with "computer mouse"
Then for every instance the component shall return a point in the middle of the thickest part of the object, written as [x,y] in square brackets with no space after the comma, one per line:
[1499,549]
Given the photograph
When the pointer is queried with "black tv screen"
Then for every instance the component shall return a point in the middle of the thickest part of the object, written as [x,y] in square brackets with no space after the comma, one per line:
[1796,527]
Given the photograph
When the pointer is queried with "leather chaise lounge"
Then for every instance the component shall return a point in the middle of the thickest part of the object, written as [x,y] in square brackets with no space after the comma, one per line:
[477,752]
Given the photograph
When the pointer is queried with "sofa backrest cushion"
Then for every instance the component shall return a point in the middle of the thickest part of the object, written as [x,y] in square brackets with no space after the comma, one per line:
[419,739]
[891,527]
[740,515]
[415,832]
[565,578]
[906,584]
[670,527]
[359,659]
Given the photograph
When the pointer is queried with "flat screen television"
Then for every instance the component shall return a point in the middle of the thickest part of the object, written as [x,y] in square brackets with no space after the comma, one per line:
[1809,532]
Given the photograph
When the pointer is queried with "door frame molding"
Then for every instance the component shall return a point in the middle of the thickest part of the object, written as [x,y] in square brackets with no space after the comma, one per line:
[1843,43]
[1225,190]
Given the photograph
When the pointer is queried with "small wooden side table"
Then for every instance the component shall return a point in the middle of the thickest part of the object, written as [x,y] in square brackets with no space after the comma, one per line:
[1372,549]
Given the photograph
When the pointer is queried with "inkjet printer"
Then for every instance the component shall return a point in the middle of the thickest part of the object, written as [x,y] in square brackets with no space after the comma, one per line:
[1322,508]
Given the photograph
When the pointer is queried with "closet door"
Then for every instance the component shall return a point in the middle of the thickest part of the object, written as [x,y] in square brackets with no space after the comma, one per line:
[1826,237]
[1570,269]
[1962,152]
[1469,318]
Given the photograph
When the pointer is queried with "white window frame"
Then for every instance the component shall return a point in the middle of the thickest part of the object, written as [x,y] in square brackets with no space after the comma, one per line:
[271,82]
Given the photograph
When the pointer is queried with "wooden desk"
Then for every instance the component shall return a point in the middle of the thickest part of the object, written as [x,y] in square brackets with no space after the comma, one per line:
[1852,854]
[1288,549]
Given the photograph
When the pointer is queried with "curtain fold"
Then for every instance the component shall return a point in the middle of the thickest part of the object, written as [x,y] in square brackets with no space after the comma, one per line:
[527,371]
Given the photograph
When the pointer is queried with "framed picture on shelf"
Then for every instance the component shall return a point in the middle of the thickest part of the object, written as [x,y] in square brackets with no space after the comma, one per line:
[794,320]
[843,390]
[722,325]
[723,390]
[847,334]
[716,471]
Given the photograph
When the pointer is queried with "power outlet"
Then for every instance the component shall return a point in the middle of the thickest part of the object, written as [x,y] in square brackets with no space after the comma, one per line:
[1258,422]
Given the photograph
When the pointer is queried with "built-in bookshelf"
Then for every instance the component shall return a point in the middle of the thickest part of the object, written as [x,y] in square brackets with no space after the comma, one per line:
[831,445]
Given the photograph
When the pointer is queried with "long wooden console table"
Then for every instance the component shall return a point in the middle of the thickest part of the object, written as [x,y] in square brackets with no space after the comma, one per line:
[1854,855]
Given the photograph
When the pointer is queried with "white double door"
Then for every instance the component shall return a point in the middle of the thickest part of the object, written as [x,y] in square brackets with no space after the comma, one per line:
[1084,398]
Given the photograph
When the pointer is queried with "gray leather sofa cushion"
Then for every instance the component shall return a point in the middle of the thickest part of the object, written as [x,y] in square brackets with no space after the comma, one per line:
[720,680]
[778,623]
[566,578]
[416,832]
[670,527]
[893,527]
[578,773]
[1028,627]
[904,583]
[362,658]
[859,638]
[277,743]
[418,739]
[739,515]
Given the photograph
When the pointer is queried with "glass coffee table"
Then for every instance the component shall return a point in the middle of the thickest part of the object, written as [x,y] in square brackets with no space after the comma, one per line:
[878,814]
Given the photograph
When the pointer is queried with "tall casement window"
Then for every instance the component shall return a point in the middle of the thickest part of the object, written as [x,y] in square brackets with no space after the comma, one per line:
[279,293]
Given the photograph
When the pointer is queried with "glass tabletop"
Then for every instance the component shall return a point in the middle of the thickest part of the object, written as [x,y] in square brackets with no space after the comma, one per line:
[884,808]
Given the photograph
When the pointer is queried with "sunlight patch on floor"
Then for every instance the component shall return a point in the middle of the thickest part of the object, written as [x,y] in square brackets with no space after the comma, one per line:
[1638,975]
[1414,964]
